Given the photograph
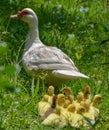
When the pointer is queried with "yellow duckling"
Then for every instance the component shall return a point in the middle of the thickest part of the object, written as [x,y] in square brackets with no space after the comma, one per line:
[53,119]
[87,115]
[43,105]
[94,105]
[66,115]
[76,120]
[69,100]
[66,104]
[60,100]
[67,91]
[60,103]
[80,98]
[68,96]
[87,92]
[50,94]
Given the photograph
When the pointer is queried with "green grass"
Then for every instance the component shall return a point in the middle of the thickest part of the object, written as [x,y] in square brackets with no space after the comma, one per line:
[82,35]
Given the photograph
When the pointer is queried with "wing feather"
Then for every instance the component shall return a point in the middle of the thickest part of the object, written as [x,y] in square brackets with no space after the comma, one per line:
[66,74]
[48,58]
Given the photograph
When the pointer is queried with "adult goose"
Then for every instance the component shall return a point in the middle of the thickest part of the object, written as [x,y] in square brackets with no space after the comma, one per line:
[39,59]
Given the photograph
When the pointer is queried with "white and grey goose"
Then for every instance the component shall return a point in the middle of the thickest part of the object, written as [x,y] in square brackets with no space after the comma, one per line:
[40,59]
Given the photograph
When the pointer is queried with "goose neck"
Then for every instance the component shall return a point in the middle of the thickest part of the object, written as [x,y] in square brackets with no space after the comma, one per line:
[32,38]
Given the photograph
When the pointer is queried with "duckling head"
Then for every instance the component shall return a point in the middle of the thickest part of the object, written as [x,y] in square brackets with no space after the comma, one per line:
[97,98]
[45,98]
[60,99]
[66,103]
[87,92]
[86,105]
[71,108]
[80,110]
[66,90]
[80,97]
[50,90]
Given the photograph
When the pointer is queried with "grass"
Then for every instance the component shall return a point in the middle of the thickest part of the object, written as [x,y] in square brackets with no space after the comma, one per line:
[82,35]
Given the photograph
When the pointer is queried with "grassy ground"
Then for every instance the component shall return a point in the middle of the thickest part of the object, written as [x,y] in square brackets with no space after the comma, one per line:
[80,29]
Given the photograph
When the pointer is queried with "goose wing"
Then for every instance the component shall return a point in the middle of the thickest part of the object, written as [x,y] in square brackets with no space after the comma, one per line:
[51,58]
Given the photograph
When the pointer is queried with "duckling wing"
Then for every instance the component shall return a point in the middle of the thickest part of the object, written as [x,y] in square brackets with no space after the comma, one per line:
[43,107]
[51,120]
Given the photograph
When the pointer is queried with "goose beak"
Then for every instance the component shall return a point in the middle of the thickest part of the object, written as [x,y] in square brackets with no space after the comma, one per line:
[14,16]
[18,15]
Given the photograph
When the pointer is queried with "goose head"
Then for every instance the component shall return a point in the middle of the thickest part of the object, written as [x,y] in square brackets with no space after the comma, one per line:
[27,15]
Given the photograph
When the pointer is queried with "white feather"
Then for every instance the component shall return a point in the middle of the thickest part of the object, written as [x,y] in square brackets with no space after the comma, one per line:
[68,74]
